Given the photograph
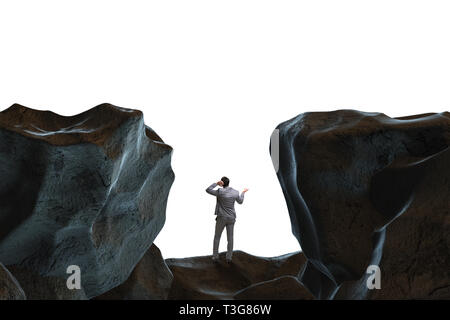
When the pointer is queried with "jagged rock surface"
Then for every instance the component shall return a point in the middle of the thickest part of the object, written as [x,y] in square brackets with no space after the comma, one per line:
[87,190]
[247,277]
[42,287]
[150,280]
[365,189]
[282,288]
[10,288]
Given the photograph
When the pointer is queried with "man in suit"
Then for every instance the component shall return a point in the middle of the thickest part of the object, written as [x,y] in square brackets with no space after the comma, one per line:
[226,215]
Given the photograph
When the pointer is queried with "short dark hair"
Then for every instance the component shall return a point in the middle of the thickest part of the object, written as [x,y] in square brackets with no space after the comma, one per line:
[225,181]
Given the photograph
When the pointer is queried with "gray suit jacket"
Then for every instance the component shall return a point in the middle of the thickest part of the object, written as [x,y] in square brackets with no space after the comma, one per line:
[225,200]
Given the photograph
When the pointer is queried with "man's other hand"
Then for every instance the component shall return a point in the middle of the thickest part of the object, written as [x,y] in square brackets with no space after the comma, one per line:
[220,183]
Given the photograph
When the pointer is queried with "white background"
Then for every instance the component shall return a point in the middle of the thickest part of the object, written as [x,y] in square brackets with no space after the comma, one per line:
[214,78]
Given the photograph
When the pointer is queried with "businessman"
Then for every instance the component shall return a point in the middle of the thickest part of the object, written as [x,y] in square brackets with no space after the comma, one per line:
[226,215]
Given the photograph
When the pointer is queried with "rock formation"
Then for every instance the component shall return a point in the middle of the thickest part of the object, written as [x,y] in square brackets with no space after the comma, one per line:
[87,190]
[281,288]
[44,287]
[10,289]
[247,277]
[90,190]
[364,189]
[151,279]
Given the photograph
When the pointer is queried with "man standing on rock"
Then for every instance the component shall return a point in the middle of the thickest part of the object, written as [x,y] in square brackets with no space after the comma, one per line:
[226,215]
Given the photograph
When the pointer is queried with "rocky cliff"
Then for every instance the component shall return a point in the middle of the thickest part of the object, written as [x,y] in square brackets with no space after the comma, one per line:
[247,277]
[88,190]
[365,189]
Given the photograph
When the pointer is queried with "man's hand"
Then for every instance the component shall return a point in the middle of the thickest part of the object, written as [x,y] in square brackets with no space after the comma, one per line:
[220,183]
[245,190]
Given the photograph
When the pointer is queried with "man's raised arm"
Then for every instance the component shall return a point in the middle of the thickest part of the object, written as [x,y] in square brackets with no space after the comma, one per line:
[240,198]
[211,190]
